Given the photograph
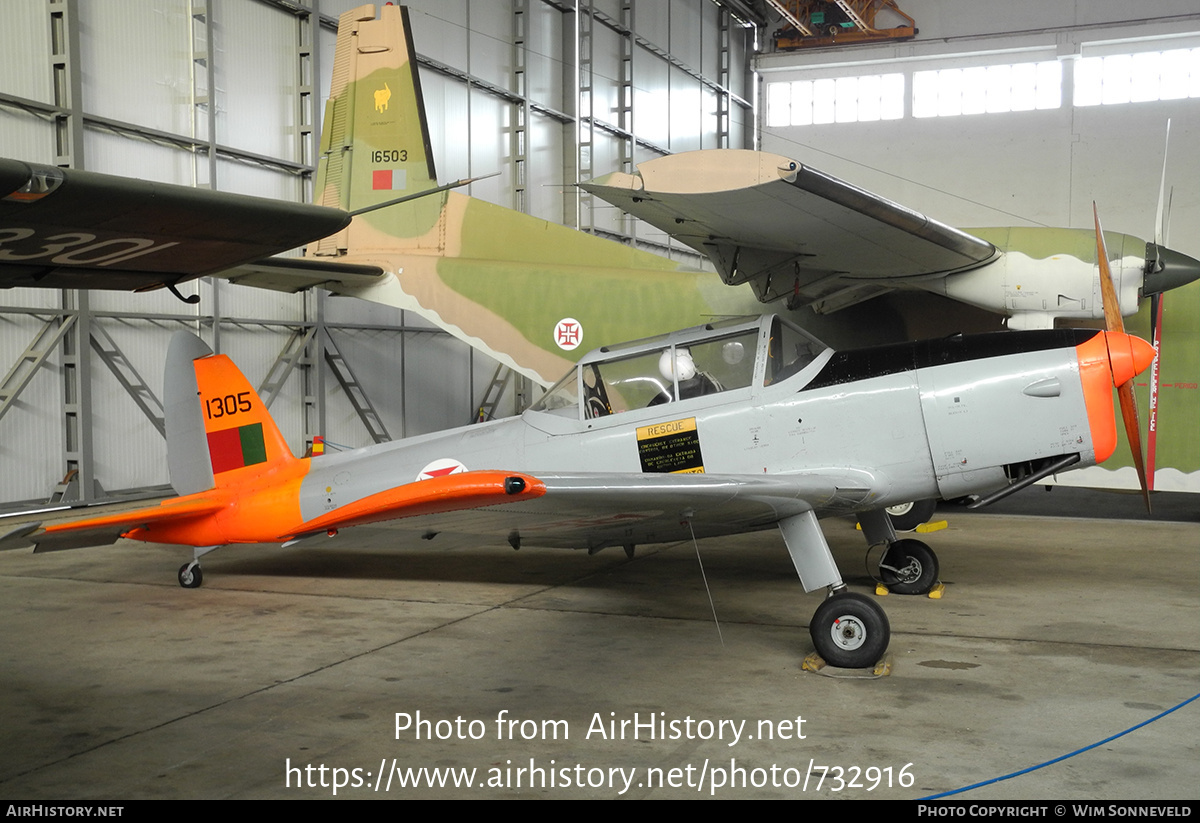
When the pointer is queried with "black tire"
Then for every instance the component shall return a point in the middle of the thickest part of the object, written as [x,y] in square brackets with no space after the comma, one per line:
[909,567]
[190,576]
[850,631]
[907,516]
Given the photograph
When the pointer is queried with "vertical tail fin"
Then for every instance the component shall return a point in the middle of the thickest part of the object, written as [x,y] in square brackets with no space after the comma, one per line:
[218,428]
[375,140]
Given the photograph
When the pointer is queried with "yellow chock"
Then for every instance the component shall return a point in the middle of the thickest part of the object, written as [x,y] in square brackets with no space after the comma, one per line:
[813,663]
[881,590]
[937,591]
[884,667]
[932,526]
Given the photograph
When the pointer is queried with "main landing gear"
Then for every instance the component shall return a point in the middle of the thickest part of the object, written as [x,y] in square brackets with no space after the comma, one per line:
[908,566]
[849,630]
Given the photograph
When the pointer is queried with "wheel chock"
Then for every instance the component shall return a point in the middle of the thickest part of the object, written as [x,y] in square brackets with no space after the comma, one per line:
[932,526]
[937,591]
[881,590]
[816,664]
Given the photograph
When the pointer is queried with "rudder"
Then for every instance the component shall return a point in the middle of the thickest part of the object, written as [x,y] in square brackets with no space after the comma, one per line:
[375,140]
[217,427]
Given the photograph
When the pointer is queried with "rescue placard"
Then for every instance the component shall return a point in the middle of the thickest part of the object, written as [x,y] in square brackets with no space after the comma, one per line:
[672,447]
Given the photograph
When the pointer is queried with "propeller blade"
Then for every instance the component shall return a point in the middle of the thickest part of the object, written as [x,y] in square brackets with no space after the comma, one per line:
[1112,307]
[1160,230]
[1112,318]
[1133,432]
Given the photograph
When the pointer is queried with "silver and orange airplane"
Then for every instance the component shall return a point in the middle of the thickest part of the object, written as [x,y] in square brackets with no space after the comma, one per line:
[713,430]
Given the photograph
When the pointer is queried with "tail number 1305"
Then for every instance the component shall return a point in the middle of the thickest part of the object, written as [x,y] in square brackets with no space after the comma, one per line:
[230,404]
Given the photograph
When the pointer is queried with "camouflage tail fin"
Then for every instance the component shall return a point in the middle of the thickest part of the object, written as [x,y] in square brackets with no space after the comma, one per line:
[218,428]
[375,140]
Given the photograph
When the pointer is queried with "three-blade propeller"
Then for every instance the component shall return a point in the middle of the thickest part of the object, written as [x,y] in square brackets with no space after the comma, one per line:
[1112,319]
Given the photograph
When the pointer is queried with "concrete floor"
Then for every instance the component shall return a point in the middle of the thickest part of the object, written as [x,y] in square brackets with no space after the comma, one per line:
[1053,634]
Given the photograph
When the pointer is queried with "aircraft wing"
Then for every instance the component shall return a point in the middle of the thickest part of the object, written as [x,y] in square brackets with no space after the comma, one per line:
[596,510]
[581,511]
[788,229]
[63,228]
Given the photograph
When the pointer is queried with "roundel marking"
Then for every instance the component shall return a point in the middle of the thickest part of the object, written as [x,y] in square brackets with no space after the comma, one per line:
[568,333]
[441,467]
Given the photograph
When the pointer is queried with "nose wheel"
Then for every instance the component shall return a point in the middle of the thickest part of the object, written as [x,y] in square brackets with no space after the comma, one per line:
[850,631]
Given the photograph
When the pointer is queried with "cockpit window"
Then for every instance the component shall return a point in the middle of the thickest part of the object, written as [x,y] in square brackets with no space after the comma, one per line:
[788,351]
[669,374]
[562,398]
[611,381]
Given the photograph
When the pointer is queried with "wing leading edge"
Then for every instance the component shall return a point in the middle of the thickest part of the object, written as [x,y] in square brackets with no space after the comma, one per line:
[787,229]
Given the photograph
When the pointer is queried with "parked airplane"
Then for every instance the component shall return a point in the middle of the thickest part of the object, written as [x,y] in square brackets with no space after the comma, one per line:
[714,430]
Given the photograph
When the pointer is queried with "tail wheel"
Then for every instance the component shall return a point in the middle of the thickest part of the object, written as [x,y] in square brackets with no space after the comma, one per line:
[190,576]
[909,567]
[850,631]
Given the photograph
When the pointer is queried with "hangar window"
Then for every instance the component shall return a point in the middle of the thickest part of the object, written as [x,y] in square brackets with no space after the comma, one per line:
[987,89]
[1137,78]
[836,100]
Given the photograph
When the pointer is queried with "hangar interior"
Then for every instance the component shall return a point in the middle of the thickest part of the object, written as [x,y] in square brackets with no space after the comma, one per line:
[118,684]
[228,94]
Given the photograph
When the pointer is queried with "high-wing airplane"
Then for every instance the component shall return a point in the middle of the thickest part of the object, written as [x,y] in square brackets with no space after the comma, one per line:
[718,429]
[532,294]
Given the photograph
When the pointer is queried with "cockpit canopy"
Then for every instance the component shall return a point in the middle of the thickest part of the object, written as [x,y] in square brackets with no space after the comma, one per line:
[703,360]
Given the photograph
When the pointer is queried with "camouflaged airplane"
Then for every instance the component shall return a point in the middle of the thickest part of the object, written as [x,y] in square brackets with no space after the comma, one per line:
[718,429]
[530,293]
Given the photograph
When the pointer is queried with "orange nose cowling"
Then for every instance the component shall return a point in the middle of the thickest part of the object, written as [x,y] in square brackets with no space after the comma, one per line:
[1129,356]
[1109,359]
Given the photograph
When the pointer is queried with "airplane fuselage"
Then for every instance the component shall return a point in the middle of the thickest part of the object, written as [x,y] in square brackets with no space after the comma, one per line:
[889,424]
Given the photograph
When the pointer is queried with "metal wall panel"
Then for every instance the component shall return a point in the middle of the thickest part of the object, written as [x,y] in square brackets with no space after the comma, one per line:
[119,154]
[245,177]
[257,77]
[448,133]
[687,32]
[544,58]
[136,57]
[651,97]
[129,448]
[31,430]
[544,169]
[490,121]
[25,50]
[489,38]
[685,99]
[26,136]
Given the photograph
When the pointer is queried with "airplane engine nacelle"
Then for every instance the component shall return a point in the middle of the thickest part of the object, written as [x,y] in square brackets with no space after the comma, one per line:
[992,419]
[1047,273]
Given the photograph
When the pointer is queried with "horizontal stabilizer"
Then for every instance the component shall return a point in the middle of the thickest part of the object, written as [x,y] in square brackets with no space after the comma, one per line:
[105,529]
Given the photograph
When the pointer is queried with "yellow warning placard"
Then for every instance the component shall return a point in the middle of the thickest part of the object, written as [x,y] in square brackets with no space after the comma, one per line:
[672,447]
